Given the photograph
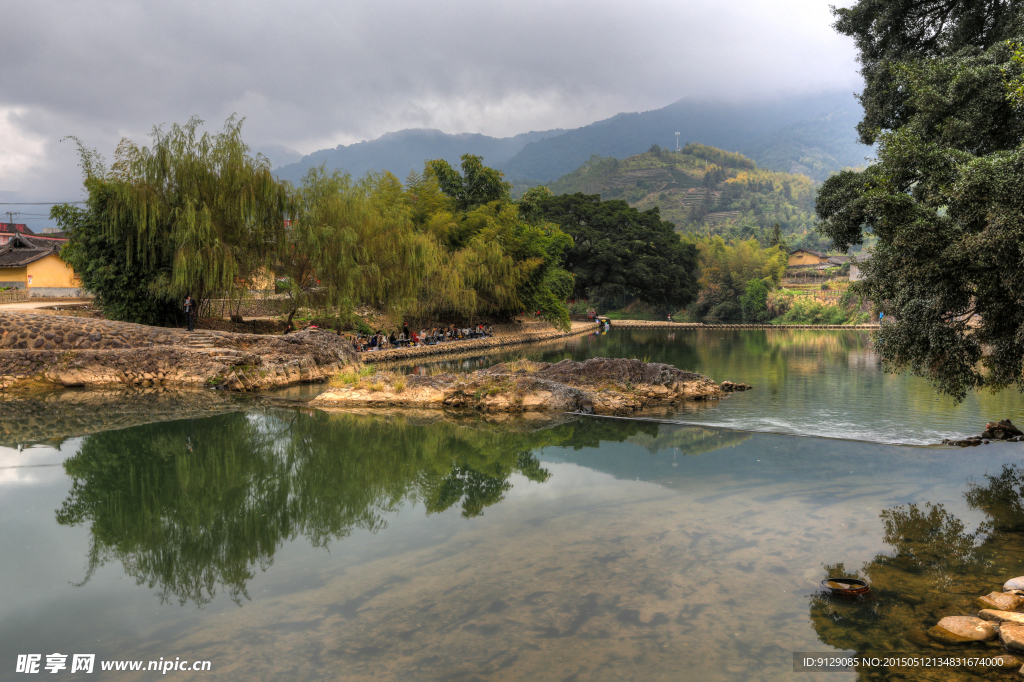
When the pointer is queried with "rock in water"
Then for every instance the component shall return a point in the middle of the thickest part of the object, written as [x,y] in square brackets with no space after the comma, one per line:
[1012,636]
[1000,601]
[1001,430]
[1014,584]
[1002,616]
[962,630]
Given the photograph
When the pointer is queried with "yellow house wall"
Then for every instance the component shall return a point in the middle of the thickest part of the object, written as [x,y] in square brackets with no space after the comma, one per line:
[12,275]
[51,272]
[804,258]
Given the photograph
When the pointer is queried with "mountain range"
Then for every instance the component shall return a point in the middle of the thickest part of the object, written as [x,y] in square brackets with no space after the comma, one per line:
[808,134]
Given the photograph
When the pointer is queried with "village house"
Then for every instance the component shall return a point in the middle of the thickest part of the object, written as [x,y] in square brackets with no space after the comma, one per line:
[34,263]
[8,230]
[805,258]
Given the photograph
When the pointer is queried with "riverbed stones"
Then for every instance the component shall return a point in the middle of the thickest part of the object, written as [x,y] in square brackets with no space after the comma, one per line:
[1000,601]
[1012,637]
[1002,616]
[963,630]
[1014,584]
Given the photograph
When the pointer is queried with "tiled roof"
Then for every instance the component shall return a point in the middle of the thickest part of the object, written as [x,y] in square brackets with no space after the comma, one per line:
[813,253]
[838,260]
[22,250]
[15,228]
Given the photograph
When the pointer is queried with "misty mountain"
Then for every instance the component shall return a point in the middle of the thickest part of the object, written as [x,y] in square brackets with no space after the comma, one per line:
[406,150]
[809,134]
[778,134]
[814,147]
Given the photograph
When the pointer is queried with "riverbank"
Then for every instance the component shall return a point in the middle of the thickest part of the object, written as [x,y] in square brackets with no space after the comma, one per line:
[37,351]
[595,386]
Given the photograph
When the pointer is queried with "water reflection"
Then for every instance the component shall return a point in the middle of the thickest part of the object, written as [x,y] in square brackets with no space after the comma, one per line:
[192,508]
[936,567]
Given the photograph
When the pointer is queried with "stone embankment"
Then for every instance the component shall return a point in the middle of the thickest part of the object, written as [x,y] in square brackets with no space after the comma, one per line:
[532,333]
[656,324]
[596,386]
[76,351]
[1000,621]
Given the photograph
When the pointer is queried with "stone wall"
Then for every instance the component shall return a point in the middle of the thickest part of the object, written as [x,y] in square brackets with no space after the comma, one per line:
[499,340]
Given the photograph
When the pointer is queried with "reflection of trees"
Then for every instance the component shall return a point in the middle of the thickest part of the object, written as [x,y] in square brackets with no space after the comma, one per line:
[192,507]
[934,569]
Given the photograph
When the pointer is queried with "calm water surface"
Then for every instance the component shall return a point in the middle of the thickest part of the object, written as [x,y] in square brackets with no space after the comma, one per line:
[806,382]
[299,545]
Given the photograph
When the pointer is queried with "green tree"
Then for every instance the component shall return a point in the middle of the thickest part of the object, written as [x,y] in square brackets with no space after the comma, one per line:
[195,209]
[477,184]
[619,253]
[944,199]
[755,301]
[104,268]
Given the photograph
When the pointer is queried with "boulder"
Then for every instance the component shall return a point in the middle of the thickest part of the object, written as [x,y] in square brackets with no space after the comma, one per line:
[962,630]
[1000,601]
[1002,616]
[1014,584]
[1001,430]
[1012,636]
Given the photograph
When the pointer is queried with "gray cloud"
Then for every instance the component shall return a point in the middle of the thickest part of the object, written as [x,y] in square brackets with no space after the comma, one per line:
[310,74]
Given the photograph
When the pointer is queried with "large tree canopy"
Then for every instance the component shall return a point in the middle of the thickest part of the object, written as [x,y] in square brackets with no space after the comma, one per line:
[944,198]
[621,253]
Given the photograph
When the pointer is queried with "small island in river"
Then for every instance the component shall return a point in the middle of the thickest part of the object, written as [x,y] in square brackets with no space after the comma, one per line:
[612,386]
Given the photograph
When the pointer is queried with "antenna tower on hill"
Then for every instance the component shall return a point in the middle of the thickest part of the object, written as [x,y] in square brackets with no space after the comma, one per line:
[677,141]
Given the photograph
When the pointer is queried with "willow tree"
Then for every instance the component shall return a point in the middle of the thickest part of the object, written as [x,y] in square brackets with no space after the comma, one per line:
[198,208]
[354,243]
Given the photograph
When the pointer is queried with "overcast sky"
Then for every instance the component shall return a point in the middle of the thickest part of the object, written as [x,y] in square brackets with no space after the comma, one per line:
[308,74]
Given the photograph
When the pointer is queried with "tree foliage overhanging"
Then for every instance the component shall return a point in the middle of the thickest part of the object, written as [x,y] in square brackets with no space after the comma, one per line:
[943,101]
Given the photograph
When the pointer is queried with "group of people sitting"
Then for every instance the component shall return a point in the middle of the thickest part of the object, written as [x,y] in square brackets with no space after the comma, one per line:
[423,337]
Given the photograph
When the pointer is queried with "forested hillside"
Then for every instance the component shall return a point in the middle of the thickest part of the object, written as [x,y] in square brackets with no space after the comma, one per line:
[813,131]
[704,190]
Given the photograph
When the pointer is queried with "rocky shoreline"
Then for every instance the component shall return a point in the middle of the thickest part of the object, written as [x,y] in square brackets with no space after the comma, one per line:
[1000,618]
[596,386]
[39,351]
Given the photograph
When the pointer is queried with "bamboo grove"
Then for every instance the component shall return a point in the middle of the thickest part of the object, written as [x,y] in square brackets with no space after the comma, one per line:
[198,214]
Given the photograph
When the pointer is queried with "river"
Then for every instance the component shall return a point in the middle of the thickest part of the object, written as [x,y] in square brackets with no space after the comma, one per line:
[289,544]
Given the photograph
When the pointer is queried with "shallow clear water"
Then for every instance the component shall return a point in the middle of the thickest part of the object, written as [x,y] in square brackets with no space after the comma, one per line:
[292,544]
[806,382]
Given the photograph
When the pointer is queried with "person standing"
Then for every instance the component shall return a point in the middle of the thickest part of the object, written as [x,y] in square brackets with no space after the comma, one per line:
[189,312]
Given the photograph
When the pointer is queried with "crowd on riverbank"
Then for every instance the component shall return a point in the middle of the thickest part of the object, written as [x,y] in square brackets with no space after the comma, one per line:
[423,337]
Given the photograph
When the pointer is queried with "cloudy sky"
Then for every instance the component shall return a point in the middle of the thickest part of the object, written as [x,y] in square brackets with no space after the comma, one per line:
[309,74]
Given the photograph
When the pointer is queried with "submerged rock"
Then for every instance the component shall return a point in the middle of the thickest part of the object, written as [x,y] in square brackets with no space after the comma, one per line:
[962,630]
[598,386]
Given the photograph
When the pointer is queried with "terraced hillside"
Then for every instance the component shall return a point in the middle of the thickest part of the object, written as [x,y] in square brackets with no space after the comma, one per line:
[704,190]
